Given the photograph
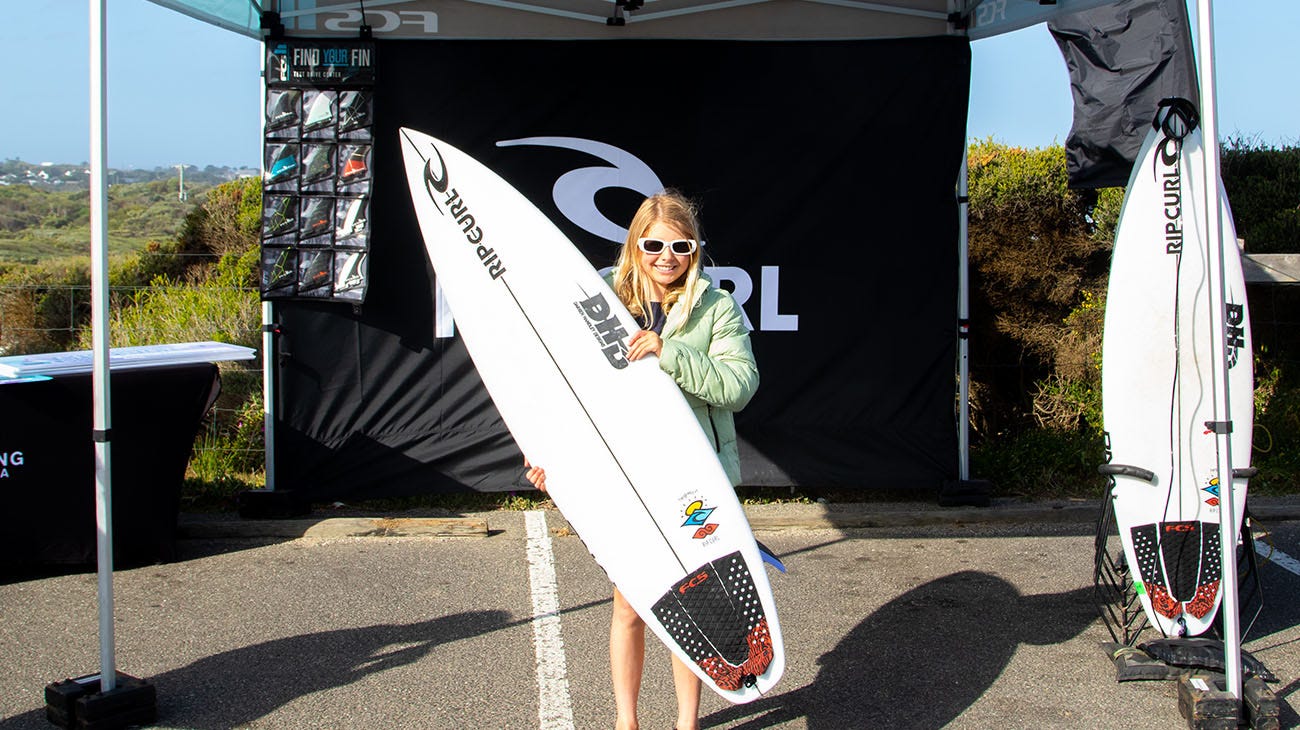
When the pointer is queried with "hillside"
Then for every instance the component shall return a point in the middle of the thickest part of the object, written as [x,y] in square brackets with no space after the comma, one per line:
[62,176]
[38,224]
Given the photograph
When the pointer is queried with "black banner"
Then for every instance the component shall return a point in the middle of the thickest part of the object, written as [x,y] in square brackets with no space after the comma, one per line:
[826,174]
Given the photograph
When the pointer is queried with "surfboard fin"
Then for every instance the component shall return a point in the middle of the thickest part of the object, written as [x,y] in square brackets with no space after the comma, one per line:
[769,557]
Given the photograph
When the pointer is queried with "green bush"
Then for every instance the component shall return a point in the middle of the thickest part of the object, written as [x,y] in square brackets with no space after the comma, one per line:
[1263,186]
[229,220]
[43,306]
[1040,257]
[1043,463]
[1040,254]
[230,449]
[1277,426]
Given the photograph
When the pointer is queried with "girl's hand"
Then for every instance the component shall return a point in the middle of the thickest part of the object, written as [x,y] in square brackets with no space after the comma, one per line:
[536,475]
[644,343]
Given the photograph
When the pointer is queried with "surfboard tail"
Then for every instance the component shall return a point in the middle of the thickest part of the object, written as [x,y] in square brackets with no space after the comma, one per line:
[1179,565]
[715,616]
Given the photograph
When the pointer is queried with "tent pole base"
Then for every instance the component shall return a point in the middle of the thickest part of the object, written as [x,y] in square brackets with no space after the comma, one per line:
[965,493]
[263,504]
[79,703]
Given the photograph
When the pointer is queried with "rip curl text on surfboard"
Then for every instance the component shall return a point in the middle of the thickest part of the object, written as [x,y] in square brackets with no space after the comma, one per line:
[1171,156]
[459,210]
[437,183]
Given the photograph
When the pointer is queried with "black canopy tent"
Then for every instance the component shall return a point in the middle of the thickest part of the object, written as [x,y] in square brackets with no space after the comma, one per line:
[784,20]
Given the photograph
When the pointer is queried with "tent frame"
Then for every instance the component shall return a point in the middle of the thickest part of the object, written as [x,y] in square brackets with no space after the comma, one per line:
[975,18]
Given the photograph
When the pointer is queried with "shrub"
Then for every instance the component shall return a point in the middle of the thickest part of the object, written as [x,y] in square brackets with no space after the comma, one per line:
[228,221]
[42,306]
[1070,396]
[1037,249]
[1043,463]
[1263,187]
[220,308]
[1277,426]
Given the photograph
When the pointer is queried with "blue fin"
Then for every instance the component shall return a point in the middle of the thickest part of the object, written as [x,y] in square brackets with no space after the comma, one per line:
[769,557]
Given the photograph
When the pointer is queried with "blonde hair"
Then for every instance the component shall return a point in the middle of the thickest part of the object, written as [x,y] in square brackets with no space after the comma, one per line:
[630,284]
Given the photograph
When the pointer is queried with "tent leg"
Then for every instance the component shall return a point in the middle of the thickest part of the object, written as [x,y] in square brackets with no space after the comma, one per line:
[108,699]
[964,491]
[272,501]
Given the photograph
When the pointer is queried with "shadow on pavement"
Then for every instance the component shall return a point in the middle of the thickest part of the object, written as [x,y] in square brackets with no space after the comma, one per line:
[237,687]
[923,658]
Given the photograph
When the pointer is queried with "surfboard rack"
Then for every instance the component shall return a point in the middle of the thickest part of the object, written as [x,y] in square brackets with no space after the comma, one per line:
[1113,592]
[1137,472]
[1116,597]
[1197,665]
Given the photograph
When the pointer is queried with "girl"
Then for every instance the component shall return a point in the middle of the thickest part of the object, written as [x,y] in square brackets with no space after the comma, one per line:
[698,333]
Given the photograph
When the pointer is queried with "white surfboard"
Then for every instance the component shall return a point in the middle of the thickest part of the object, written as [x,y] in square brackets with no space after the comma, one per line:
[1158,379]
[626,461]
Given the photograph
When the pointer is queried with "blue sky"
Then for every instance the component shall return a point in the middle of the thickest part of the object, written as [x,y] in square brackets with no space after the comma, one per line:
[189,93]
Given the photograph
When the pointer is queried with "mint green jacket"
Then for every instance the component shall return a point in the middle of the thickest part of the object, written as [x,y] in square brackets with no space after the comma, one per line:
[707,352]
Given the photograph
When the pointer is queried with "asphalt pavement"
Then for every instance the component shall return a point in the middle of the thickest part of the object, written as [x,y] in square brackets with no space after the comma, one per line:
[894,616]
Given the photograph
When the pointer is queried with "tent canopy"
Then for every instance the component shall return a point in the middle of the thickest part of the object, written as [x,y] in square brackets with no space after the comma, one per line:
[574,19]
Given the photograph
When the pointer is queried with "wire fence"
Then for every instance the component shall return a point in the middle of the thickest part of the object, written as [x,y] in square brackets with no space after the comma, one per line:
[50,318]
[36,318]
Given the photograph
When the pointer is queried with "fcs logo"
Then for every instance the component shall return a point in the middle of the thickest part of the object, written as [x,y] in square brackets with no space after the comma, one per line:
[405,23]
[693,582]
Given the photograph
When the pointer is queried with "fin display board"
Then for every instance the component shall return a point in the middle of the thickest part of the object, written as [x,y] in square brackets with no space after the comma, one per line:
[316,177]
[548,337]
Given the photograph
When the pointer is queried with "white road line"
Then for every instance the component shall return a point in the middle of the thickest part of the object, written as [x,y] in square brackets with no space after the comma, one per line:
[1277,557]
[554,710]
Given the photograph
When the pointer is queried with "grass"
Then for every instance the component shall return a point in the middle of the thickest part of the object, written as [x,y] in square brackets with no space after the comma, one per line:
[43,244]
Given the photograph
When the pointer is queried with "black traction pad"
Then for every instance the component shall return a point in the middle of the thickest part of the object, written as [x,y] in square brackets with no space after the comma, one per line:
[715,616]
[1190,554]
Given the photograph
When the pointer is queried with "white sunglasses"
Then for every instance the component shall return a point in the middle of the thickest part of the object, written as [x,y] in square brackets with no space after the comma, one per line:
[681,247]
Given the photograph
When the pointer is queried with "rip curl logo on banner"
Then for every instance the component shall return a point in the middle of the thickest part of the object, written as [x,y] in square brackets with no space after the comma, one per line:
[10,460]
[574,194]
